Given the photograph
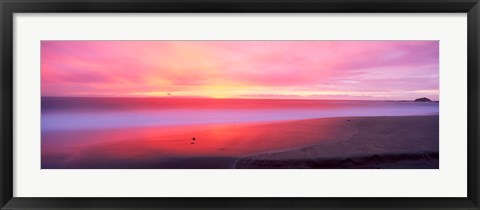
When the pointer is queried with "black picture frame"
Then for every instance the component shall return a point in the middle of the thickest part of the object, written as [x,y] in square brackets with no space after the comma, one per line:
[9,7]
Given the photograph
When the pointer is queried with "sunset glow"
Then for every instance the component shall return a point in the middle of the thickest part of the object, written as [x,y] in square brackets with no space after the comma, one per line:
[392,70]
[240,104]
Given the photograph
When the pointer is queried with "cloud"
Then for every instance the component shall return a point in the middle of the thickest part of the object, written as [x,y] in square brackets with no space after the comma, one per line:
[198,67]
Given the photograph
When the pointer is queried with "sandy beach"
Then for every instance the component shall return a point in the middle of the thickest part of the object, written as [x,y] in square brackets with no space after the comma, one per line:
[372,142]
[343,142]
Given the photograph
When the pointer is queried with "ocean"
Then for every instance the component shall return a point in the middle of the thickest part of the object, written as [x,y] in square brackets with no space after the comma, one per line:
[77,113]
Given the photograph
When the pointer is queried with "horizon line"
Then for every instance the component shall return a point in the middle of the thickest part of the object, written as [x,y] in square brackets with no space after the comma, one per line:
[201,97]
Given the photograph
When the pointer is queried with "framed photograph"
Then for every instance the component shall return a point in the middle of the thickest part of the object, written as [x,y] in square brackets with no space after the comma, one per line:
[257,104]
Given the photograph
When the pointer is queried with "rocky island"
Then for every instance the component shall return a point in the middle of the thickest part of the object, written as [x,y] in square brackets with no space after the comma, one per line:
[423,100]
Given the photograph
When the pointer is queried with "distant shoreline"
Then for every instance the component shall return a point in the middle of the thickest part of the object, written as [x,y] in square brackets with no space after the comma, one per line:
[240,98]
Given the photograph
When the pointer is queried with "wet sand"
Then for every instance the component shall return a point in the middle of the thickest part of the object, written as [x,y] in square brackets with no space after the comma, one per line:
[346,142]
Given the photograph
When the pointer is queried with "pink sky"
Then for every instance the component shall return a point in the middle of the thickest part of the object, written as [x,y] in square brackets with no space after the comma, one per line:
[391,70]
